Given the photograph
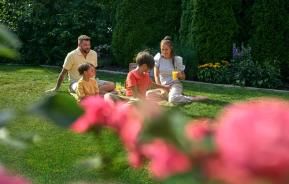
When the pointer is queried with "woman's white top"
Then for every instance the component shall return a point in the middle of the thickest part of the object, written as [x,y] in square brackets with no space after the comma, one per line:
[166,67]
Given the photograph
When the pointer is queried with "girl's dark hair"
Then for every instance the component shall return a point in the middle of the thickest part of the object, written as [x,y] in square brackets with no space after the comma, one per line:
[144,57]
[167,40]
[84,67]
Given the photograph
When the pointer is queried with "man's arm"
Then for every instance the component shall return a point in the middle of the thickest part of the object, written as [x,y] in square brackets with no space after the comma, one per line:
[60,79]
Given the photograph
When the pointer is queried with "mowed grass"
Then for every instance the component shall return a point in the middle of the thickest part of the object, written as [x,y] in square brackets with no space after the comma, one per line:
[52,160]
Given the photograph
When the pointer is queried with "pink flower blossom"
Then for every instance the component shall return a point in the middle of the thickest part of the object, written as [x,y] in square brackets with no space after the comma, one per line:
[164,159]
[6,178]
[198,129]
[128,122]
[135,158]
[96,111]
[254,137]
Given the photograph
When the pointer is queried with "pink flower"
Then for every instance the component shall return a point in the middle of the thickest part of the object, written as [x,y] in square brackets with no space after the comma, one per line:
[123,118]
[96,111]
[254,137]
[164,159]
[128,122]
[6,178]
[198,129]
[135,158]
[216,169]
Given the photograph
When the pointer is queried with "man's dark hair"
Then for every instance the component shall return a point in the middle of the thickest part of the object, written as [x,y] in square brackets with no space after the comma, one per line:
[84,67]
[145,58]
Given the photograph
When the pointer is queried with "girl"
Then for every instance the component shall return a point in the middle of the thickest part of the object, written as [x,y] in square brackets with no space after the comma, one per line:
[87,85]
[169,70]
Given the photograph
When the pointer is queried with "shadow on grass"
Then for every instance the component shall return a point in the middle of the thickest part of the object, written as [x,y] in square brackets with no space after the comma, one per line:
[214,102]
[207,102]
[15,68]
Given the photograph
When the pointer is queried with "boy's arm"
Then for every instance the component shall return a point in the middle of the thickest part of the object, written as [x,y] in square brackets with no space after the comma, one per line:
[135,92]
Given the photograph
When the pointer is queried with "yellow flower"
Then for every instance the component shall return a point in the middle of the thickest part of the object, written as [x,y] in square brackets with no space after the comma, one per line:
[225,62]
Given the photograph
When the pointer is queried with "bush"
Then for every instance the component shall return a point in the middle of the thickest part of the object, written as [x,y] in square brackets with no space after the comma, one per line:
[208,26]
[142,24]
[49,31]
[190,59]
[242,71]
[215,72]
[247,72]
[271,33]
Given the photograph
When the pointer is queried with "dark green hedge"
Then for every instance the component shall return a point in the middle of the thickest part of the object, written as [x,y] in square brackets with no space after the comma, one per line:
[49,28]
[209,27]
[142,24]
[203,30]
[270,39]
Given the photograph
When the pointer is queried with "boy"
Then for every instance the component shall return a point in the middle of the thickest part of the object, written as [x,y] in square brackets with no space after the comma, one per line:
[138,81]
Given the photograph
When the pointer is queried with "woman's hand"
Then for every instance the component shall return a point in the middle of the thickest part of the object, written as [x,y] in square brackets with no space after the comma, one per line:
[167,87]
[181,76]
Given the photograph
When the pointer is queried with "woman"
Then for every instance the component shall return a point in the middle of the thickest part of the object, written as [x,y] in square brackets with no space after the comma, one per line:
[165,64]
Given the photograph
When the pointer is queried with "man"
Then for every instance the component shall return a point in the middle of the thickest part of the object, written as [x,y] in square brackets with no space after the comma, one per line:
[83,54]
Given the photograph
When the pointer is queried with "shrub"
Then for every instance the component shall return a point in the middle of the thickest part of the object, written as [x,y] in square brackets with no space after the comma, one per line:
[49,31]
[190,59]
[209,27]
[242,71]
[270,33]
[142,24]
[247,72]
[215,72]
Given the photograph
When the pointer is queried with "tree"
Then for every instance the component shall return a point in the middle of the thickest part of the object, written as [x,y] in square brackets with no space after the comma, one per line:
[209,27]
[142,24]
[49,28]
[270,33]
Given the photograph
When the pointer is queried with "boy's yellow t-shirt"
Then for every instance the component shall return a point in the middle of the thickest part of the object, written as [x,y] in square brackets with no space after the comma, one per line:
[86,88]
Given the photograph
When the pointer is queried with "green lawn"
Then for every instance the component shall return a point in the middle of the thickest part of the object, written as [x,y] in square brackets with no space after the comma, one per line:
[52,160]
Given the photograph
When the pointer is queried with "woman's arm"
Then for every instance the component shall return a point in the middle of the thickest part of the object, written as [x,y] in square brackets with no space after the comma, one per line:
[157,75]
[165,87]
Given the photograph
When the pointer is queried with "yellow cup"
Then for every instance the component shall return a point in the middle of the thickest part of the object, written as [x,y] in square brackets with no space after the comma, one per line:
[175,75]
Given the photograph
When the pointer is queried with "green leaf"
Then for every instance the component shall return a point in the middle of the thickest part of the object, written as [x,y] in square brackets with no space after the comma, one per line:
[8,52]
[61,108]
[8,38]
[169,126]
[7,140]
[8,43]
[187,178]
[195,176]
[92,163]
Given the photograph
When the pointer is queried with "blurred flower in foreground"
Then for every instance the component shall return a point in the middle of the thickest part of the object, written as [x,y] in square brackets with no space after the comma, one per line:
[6,178]
[164,159]
[247,144]
[253,140]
